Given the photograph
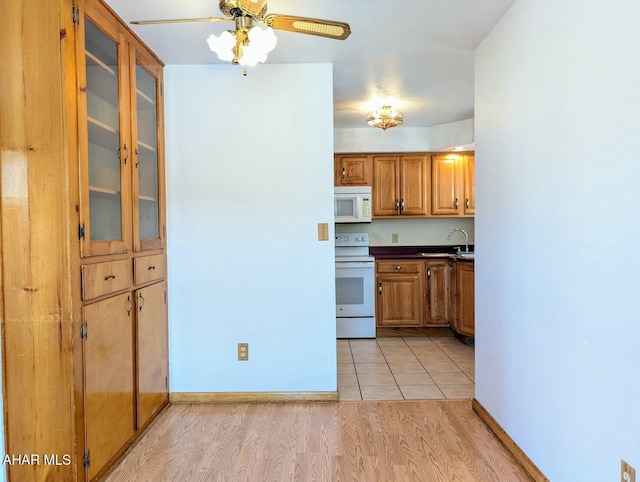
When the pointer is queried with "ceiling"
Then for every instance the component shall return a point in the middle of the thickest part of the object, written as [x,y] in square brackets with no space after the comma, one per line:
[419,52]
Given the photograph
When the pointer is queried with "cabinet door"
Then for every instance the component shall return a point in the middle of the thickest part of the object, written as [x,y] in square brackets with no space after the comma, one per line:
[444,185]
[466,298]
[353,170]
[438,285]
[469,185]
[103,136]
[413,186]
[386,184]
[148,179]
[399,300]
[152,353]
[109,383]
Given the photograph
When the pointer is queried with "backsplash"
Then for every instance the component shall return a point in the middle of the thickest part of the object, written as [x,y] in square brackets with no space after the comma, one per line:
[413,232]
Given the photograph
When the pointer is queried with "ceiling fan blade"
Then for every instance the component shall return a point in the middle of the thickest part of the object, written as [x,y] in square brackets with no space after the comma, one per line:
[180,20]
[310,26]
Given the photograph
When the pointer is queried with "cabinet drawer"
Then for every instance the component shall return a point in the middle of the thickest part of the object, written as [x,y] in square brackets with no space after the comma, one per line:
[148,268]
[392,266]
[104,278]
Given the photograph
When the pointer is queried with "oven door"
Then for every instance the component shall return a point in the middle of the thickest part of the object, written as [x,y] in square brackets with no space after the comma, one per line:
[354,289]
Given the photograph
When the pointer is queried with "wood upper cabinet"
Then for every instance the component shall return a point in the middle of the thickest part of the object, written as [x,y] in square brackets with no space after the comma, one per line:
[399,293]
[148,160]
[104,135]
[120,139]
[152,351]
[352,170]
[438,292]
[452,185]
[464,299]
[400,185]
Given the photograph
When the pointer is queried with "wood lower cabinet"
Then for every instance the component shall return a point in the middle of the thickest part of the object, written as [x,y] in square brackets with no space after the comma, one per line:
[352,170]
[464,321]
[152,342]
[438,292]
[109,388]
[399,293]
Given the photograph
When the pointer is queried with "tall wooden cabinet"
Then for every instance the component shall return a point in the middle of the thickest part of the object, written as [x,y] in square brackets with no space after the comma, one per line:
[84,300]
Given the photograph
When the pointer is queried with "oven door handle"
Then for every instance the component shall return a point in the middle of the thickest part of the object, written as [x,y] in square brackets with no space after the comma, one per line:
[355,264]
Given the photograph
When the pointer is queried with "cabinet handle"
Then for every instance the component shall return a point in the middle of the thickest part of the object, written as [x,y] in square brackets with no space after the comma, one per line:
[111,276]
[398,205]
[401,206]
[126,154]
[150,268]
[142,303]
[130,307]
[428,273]
[466,203]
[457,204]
[137,157]
[344,174]
[398,268]
[379,288]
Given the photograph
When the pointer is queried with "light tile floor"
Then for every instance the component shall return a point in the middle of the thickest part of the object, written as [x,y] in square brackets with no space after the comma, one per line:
[408,368]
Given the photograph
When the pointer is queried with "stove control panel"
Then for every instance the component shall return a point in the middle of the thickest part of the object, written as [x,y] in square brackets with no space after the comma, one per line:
[352,239]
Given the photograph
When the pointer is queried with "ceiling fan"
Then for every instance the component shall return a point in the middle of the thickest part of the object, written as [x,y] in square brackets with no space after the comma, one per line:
[248,45]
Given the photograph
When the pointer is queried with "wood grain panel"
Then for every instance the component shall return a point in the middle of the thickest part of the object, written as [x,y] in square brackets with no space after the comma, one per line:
[413,187]
[445,188]
[349,441]
[104,278]
[397,266]
[109,378]
[39,273]
[386,185]
[152,351]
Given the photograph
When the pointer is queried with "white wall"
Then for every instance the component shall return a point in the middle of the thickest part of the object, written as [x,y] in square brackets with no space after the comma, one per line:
[249,176]
[404,139]
[557,274]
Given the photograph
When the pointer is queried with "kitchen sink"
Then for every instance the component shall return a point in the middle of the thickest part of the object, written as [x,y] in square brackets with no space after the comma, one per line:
[465,255]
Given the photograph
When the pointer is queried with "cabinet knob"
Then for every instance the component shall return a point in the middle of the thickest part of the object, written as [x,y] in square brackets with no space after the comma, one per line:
[398,268]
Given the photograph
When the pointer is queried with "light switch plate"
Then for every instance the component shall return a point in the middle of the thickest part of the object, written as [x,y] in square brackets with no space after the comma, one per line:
[323,231]
[627,473]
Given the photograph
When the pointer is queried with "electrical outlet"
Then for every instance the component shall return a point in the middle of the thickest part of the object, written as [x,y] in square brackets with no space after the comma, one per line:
[394,237]
[627,473]
[243,351]
[323,231]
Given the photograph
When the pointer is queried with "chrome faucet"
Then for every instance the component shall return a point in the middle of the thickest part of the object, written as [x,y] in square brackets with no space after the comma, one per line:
[466,238]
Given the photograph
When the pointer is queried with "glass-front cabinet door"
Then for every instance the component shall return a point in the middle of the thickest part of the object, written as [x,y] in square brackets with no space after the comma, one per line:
[148,215]
[104,150]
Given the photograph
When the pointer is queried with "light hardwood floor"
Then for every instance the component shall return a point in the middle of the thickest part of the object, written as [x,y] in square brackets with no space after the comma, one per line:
[368,441]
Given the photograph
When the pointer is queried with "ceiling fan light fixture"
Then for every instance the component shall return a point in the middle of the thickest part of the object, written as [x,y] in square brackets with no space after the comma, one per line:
[384,118]
[223,45]
[244,47]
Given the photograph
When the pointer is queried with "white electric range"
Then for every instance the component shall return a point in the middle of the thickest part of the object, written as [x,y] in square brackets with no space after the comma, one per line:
[355,295]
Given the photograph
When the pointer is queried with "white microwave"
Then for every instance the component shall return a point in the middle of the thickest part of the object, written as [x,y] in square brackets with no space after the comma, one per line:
[352,204]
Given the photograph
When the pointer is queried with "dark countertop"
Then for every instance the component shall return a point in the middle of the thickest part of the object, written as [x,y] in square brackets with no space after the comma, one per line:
[414,252]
